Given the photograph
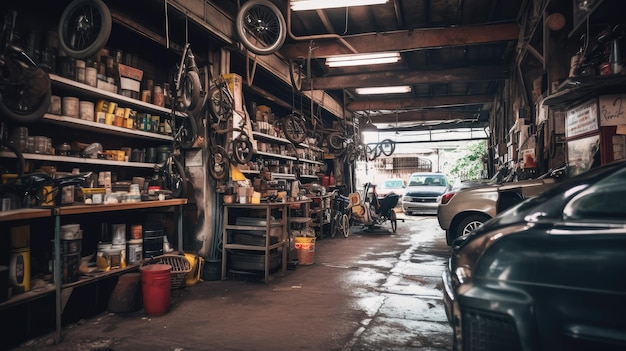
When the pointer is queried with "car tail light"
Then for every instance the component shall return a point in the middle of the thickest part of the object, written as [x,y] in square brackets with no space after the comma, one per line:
[445,198]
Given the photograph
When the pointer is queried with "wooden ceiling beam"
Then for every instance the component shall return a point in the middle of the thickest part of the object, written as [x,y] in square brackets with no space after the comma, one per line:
[405,40]
[393,78]
[419,102]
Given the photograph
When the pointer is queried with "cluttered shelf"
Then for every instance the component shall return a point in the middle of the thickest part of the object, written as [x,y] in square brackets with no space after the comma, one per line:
[81,209]
[579,89]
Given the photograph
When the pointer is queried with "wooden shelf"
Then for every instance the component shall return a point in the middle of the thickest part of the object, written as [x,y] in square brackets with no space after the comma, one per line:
[79,160]
[82,124]
[80,209]
[28,296]
[99,94]
[24,213]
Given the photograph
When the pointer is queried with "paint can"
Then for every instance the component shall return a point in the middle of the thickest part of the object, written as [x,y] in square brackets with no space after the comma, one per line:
[19,269]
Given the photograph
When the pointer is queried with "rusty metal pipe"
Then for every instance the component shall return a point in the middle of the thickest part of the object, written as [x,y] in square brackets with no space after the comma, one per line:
[317,36]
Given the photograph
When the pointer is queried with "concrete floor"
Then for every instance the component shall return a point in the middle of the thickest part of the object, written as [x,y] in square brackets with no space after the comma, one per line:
[371,291]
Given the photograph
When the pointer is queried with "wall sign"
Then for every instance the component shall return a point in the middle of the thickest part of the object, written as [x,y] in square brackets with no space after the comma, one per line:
[612,110]
[581,119]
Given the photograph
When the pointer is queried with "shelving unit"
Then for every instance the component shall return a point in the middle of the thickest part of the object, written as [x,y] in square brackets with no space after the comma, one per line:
[269,223]
[320,213]
[56,213]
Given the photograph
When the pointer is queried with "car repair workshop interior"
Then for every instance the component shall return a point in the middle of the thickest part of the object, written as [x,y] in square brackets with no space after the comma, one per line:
[155,151]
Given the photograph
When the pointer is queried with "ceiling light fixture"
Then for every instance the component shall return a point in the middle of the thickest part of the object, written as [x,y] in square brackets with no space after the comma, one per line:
[363,59]
[384,90]
[302,5]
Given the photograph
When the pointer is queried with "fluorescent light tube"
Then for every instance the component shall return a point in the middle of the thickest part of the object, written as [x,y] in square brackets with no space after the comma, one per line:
[363,59]
[384,90]
[302,5]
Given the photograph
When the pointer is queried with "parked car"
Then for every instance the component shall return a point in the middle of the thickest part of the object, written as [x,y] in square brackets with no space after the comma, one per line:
[468,206]
[545,274]
[391,185]
[422,191]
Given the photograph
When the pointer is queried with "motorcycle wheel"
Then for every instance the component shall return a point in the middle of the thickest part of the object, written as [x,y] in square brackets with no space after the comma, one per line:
[84,28]
[261,27]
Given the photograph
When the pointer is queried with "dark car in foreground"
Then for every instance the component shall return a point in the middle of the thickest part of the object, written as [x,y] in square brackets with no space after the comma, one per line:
[547,274]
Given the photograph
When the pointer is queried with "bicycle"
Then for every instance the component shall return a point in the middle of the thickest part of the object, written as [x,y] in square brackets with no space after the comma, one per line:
[341,215]
[187,90]
[41,189]
[240,149]
[375,150]
[24,87]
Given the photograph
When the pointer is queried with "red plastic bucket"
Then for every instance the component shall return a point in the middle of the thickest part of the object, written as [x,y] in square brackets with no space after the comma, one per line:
[155,284]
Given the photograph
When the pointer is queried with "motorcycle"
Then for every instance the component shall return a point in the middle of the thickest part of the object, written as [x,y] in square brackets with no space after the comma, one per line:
[371,212]
[39,189]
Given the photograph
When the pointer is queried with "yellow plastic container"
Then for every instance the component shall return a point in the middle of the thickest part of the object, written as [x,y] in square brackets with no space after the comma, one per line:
[196,262]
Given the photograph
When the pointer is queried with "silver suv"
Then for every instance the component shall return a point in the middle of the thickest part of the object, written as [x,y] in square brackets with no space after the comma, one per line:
[462,210]
[422,191]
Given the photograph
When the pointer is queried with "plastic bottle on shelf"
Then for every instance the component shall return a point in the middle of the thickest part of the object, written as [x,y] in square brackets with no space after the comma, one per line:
[331,181]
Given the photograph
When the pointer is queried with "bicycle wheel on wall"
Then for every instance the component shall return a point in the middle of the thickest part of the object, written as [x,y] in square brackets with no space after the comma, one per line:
[218,162]
[294,129]
[29,98]
[84,28]
[242,148]
[261,27]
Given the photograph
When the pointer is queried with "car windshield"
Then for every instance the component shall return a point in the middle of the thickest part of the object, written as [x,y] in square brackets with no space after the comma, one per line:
[427,180]
[393,184]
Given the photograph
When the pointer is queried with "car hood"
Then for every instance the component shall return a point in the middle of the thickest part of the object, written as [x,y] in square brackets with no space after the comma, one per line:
[424,190]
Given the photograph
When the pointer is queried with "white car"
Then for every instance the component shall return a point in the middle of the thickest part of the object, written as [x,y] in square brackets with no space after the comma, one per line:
[423,191]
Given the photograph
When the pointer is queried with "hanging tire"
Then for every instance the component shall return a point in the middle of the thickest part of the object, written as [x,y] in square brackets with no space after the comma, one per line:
[261,27]
[188,133]
[294,129]
[191,90]
[387,147]
[335,141]
[84,28]
[242,148]
[218,162]
[295,75]
[220,104]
